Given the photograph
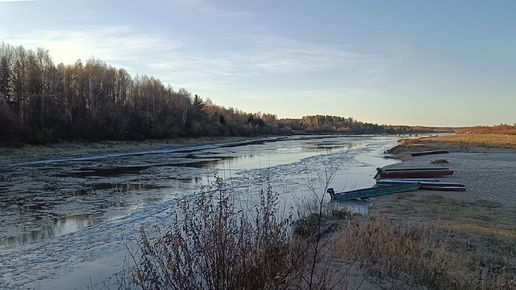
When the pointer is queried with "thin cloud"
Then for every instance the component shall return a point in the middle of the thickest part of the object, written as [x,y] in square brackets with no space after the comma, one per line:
[264,54]
[108,43]
[210,66]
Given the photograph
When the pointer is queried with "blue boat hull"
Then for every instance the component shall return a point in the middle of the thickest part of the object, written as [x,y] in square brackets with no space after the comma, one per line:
[372,192]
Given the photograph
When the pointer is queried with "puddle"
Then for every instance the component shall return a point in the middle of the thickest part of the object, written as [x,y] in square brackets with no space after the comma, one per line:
[356,207]
[50,229]
[192,180]
[114,187]
[207,164]
[112,171]
[330,146]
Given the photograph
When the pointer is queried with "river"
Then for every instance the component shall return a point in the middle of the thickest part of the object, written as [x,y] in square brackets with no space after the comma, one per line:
[67,223]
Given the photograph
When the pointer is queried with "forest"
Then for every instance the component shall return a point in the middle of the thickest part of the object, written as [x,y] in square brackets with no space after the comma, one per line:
[41,103]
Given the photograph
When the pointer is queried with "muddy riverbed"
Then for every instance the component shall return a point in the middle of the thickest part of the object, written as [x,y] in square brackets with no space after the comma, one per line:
[66,222]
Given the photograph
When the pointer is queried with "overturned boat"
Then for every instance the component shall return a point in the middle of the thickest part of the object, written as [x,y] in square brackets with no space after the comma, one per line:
[428,184]
[372,191]
[424,172]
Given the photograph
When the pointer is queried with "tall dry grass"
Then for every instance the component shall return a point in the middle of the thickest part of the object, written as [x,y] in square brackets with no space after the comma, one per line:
[215,243]
[419,256]
[468,140]
[502,129]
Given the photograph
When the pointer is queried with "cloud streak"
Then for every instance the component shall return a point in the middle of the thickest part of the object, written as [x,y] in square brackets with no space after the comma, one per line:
[233,58]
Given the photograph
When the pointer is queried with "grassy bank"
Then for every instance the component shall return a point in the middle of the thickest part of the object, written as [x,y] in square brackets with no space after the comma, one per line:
[459,142]
[435,242]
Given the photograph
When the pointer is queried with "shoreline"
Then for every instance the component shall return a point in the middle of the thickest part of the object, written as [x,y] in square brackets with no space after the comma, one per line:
[31,153]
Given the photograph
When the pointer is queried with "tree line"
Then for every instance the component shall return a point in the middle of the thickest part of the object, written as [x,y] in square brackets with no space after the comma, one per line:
[41,102]
[320,124]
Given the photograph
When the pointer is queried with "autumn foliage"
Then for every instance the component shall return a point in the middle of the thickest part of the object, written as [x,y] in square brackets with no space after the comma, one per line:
[41,102]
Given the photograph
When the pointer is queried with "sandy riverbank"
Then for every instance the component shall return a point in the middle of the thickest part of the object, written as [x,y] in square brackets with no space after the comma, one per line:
[471,235]
[485,163]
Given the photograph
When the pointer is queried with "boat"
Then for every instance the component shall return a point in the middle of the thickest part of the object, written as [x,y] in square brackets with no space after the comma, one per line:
[413,173]
[427,184]
[372,191]
[429,152]
[415,168]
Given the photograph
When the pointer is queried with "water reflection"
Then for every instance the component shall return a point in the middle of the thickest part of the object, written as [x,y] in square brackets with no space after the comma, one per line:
[52,228]
[192,180]
[115,187]
[331,146]
[356,207]
[108,171]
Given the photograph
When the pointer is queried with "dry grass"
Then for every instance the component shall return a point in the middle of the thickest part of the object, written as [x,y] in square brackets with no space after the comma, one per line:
[395,250]
[214,243]
[437,242]
[503,129]
[421,256]
[465,140]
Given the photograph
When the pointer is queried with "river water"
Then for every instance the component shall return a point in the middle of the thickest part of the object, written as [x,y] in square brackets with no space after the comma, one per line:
[68,223]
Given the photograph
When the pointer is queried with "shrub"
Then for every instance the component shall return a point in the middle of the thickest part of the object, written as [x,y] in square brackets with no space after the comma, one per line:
[214,245]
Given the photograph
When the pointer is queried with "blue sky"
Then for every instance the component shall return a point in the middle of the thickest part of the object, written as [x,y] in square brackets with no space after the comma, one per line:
[433,63]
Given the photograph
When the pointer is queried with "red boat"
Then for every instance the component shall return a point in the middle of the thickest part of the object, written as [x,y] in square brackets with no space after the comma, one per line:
[413,173]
